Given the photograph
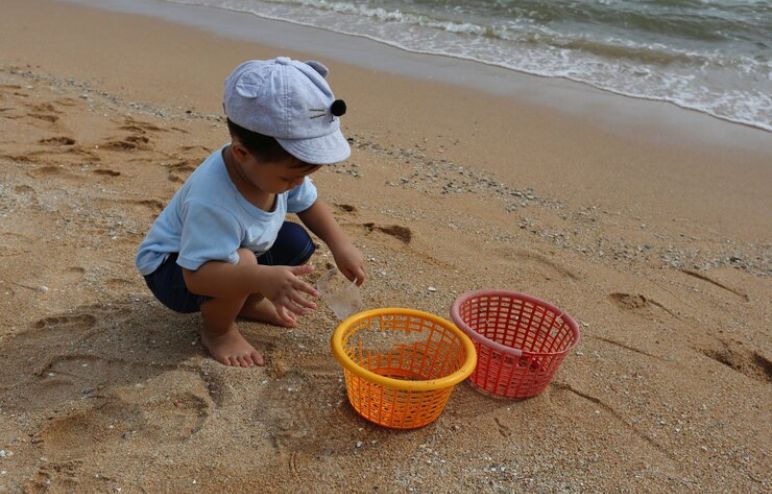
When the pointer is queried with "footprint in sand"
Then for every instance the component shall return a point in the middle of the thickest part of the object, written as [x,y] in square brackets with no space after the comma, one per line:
[58,141]
[346,208]
[75,321]
[84,153]
[750,363]
[138,138]
[72,275]
[179,171]
[151,424]
[140,127]
[154,205]
[47,171]
[44,111]
[56,475]
[628,301]
[67,378]
[116,402]
[205,151]
[24,189]
[305,411]
[401,233]
[18,158]
[14,89]
[67,101]
[13,243]
[637,303]
[140,206]
[105,172]
[130,143]
[58,152]
[119,283]
[96,371]
[55,173]
[44,107]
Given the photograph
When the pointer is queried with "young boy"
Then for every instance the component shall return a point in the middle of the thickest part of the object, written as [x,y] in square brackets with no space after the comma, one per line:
[222,245]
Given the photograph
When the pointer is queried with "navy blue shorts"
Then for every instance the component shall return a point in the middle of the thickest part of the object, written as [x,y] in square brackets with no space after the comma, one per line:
[293,247]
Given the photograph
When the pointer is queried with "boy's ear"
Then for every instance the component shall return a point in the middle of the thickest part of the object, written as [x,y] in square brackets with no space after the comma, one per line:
[238,150]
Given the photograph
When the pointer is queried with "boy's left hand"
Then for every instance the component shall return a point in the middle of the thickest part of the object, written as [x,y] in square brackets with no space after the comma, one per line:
[350,262]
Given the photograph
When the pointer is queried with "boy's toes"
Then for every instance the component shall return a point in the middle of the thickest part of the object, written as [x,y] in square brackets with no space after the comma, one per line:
[231,349]
[236,361]
[257,358]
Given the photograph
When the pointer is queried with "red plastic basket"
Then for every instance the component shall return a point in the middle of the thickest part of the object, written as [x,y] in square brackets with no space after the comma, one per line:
[520,340]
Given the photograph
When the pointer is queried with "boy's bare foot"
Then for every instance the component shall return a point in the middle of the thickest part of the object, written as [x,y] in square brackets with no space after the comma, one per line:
[230,348]
[265,311]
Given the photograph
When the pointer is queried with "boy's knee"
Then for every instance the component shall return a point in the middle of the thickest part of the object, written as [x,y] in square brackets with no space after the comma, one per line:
[247,256]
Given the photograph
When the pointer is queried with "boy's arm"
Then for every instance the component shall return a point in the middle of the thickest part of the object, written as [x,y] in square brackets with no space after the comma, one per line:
[213,232]
[319,219]
[223,279]
[282,285]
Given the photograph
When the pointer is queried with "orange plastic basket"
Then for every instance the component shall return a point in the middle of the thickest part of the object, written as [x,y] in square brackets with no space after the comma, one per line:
[520,340]
[400,365]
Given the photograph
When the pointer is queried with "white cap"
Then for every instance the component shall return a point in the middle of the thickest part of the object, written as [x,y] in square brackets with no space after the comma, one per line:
[291,102]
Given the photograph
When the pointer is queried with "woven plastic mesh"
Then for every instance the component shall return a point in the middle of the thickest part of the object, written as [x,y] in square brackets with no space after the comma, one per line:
[535,337]
[407,348]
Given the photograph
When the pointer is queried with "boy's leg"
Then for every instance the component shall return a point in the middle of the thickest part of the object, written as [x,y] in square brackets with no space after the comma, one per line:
[220,335]
[293,247]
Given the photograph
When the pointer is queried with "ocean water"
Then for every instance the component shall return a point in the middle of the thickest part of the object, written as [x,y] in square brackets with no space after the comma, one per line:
[713,56]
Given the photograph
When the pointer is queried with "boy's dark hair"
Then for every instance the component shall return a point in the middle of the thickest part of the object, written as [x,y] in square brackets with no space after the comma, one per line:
[264,147]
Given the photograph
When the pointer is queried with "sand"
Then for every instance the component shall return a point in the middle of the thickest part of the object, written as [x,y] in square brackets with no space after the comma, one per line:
[650,225]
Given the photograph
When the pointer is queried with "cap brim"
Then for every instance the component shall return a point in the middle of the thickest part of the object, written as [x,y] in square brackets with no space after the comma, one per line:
[324,150]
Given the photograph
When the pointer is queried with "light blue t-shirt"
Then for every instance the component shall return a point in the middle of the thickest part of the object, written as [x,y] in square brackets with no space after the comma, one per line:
[209,220]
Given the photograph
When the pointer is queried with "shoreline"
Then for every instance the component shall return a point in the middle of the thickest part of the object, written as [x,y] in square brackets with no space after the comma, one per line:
[556,93]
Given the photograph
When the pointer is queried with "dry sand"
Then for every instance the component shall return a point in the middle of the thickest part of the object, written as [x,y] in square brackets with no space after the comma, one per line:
[653,232]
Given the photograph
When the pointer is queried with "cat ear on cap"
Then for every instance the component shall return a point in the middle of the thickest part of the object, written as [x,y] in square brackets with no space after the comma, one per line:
[319,67]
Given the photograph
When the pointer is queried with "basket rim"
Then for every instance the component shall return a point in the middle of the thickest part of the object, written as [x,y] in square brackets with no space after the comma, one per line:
[514,352]
[456,377]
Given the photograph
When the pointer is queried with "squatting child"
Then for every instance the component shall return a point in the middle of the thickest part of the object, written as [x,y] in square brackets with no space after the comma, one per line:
[222,245]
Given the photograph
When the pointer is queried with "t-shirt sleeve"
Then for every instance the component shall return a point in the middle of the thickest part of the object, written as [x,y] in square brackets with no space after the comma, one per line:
[301,197]
[209,233]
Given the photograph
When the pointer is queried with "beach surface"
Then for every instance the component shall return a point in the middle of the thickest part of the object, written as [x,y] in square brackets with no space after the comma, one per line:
[648,224]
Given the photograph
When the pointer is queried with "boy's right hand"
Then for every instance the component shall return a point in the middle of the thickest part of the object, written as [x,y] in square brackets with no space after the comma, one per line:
[288,293]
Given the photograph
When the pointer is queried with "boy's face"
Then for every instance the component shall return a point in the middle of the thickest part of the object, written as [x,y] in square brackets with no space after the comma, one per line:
[274,177]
